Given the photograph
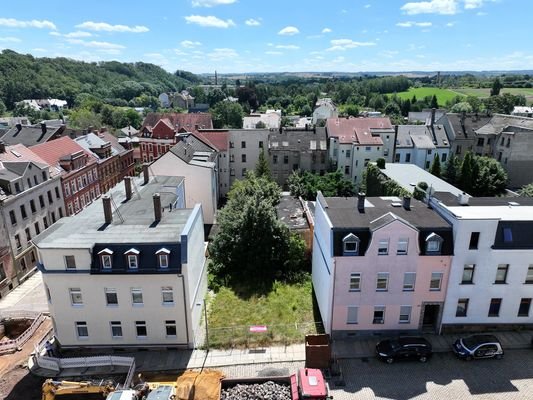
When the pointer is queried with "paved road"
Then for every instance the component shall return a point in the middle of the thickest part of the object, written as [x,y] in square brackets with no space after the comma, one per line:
[443,378]
[29,296]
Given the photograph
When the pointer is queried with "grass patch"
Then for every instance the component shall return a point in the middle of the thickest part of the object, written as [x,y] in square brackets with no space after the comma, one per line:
[287,310]
[443,95]
[483,93]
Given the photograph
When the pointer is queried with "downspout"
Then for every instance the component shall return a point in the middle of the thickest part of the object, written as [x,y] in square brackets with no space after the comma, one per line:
[395,139]
[333,297]
[185,307]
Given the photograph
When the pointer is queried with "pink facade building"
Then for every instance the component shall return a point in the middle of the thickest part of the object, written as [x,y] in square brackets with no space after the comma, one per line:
[380,264]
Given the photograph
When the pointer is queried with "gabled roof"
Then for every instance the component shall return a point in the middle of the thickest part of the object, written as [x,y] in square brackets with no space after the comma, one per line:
[218,138]
[129,131]
[188,150]
[357,130]
[31,135]
[386,219]
[180,120]
[19,152]
[92,141]
[499,123]
[52,152]
[464,126]
[108,137]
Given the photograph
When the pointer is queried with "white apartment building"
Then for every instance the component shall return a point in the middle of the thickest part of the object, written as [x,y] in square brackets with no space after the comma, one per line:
[491,277]
[128,271]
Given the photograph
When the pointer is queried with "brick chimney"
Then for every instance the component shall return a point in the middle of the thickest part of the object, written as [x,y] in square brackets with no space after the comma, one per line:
[108,213]
[127,185]
[157,207]
[146,173]
[361,202]
[407,202]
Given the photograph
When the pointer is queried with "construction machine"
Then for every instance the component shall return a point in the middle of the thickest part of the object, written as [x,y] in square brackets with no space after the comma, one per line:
[52,388]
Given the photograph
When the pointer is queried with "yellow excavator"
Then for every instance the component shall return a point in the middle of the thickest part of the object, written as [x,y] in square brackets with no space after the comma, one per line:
[52,388]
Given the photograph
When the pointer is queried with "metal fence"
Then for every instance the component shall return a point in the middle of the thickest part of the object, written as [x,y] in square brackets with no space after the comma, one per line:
[10,346]
[241,336]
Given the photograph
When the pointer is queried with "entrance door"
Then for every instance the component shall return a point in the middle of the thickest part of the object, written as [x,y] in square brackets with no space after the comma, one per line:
[431,315]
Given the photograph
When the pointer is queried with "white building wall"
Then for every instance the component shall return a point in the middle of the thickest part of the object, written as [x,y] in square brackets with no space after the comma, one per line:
[252,138]
[361,155]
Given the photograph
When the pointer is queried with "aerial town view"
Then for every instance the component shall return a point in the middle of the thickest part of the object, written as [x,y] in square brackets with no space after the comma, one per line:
[281,200]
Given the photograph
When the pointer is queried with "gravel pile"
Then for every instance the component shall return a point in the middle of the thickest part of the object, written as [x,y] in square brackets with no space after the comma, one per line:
[264,391]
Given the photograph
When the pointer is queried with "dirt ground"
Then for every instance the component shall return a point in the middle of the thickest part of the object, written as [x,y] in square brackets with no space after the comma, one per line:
[16,382]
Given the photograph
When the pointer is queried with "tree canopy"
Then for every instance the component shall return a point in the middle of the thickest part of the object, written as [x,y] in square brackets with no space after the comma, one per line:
[331,184]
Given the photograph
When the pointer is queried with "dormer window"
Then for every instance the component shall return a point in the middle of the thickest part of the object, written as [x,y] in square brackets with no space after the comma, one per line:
[132,256]
[162,257]
[350,245]
[433,243]
[106,258]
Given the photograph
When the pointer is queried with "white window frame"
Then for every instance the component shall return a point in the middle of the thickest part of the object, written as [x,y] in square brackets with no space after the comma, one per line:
[376,320]
[401,244]
[409,287]
[433,243]
[106,255]
[162,254]
[168,324]
[81,325]
[67,263]
[76,298]
[136,292]
[167,290]
[355,282]
[113,325]
[381,276]
[383,245]
[110,291]
[433,278]
[405,312]
[140,324]
[352,315]
[135,263]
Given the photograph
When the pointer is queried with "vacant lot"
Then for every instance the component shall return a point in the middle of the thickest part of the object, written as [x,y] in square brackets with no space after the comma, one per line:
[287,312]
[443,95]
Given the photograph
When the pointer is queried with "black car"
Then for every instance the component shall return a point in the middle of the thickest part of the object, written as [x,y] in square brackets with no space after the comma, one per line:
[478,346]
[404,348]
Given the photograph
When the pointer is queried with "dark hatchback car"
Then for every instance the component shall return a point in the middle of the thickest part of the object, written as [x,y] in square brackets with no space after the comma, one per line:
[404,348]
[478,346]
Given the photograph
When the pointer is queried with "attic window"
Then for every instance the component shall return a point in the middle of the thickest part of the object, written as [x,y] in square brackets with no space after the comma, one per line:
[162,257]
[132,256]
[106,258]
[433,243]
[350,245]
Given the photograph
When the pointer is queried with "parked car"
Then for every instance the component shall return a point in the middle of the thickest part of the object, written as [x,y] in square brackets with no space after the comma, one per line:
[478,346]
[404,348]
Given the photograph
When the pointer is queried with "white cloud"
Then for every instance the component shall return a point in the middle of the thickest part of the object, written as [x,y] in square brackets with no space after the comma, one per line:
[219,54]
[326,30]
[252,22]
[104,26]
[189,44]
[287,47]
[289,31]
[471,4]
[209,21]
[97,45]
[344,44]
[16,23]
[211,3]
[367,5]
[180,52]
[274,53]
[409,24]
[10,39]
[446,7]
[78,34]
[450,24]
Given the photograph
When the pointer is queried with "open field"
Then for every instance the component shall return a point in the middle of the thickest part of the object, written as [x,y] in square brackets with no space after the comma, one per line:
[481,93]
[443,95]
[287,311]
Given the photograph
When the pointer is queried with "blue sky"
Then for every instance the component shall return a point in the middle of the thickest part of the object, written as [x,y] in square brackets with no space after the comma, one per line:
[275,35]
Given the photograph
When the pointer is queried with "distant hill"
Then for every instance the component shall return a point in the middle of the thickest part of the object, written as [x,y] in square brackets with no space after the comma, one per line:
[27,77]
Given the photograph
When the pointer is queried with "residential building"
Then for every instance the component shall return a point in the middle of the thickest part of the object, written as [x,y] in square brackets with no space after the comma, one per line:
[126,155]
[78,170]
[245,145]
[271,119]
[291,149]
[219,139]
[292,212]
[30,201]
[522,111]
[424,116]
[135,276]
[45,104]
[324,109]
[32,135]
[181,99]
[160,131]
[196,161]
[354,142]
[491,272]
[380,264]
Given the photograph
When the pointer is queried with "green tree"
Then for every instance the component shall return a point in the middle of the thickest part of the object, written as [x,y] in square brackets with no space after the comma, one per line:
[496,87]
[490,177]
[434,102]
[461,107]
[307,185]
[467,173]
[84,119]
[435,166]
[350,110]
[262,169]
[227,115]
[526,191]
[452,170]
[2,108]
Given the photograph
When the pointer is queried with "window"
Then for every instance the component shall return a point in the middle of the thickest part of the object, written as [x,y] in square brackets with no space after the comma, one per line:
[73,186]
[427,165]
[12,217]
[66,188]
[275,159]
[41,201]
[243,172]
[480,142]
[232,171]
[32,256]
[23,212]
[23,264]
[433,243]
[348,153]
[243,145]
[397,158]
[494,308]
[75,297]
[368,148]
[45,222]
[163,260]
[132,261]
[28,234]
[382,282]
[507,235]
[285,159]
[232,158]
[408,157]
[351,317]
[111,297]
[231,145]
[436,281]
[70,262]
[168,295]
[409,279]
[523,309]
[243,157]
[468,274]
[2,272]
[53,215]
[81,330]
[17,241]
[403,244]
[32,207]
[136,297]
[444,157]
[260,144]
[116,329]
[170,327]
[367,160]
[462,308]
[350,245]
[140,326]
[105,258]
[44,176]
[529,275]
[383,248]
[379,315]
[355,282]
[501,273]
[347,169]
[405,314]
[50,199]
[57,192]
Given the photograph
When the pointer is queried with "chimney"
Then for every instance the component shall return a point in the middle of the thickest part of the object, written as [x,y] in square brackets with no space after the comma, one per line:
[2,147]
[127,184]
[432,116]
[157,206]
[146,173]
[108,213]
[43,127]
[407,202]
[19,127]
[361,202]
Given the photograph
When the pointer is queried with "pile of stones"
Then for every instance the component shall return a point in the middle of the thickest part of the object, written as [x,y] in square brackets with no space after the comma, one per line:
[264,391]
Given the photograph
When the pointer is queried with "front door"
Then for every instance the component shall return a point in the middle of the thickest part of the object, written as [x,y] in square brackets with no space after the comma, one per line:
[431,317]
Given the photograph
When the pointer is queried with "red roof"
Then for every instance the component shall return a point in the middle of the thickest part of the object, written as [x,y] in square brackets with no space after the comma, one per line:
[357,130]
[180,120]
[218,138]
[52,151]
[19,152]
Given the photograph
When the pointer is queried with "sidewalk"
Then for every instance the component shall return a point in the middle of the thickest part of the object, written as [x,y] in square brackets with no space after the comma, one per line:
[28,296]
